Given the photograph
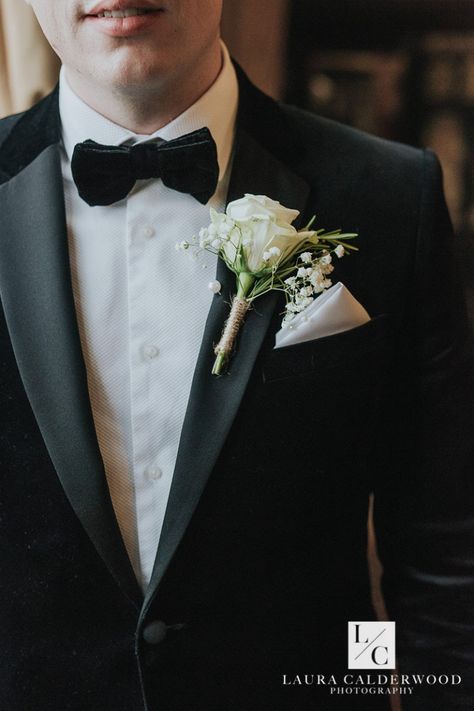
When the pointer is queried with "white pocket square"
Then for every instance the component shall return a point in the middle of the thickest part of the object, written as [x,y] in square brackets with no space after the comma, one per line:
[336,310]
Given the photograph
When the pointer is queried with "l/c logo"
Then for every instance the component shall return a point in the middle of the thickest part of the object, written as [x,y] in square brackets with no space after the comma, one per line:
[371,645]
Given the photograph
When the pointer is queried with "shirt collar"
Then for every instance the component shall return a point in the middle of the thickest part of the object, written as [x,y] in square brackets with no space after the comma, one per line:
[216,109]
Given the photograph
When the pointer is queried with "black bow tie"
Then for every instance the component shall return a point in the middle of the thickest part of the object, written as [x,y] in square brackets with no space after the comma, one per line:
[106,174]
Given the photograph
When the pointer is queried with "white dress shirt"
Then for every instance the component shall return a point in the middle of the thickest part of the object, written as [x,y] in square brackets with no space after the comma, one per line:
[141,308]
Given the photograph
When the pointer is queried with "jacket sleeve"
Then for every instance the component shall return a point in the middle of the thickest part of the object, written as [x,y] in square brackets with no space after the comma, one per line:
[424,502]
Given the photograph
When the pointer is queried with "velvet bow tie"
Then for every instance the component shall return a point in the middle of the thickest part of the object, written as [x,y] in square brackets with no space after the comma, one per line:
[106,174]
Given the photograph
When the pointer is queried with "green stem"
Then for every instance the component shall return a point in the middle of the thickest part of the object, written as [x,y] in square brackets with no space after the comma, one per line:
[245,282]
[219,363]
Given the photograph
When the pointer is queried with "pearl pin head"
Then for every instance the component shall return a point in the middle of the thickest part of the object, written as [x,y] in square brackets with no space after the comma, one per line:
[215,287]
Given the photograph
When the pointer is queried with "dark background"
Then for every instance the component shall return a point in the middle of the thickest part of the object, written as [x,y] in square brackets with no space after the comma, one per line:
[401,69]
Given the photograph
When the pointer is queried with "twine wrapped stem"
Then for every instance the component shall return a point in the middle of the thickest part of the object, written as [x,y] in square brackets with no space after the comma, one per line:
[231,329]
[240,306]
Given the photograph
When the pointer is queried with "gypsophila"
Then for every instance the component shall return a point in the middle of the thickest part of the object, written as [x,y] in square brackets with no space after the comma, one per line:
[257,241]
[308,283]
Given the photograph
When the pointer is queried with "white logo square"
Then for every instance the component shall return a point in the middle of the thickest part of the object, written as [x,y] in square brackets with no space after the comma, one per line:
[371,645]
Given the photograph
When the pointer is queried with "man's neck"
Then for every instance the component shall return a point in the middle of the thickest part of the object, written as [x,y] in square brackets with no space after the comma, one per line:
[144,110]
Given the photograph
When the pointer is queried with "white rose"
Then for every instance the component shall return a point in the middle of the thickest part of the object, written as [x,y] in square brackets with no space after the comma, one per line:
[260,206]
[267,243]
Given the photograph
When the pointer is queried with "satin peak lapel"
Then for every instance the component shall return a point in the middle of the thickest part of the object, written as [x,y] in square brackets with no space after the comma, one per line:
[214,401]
[37,298]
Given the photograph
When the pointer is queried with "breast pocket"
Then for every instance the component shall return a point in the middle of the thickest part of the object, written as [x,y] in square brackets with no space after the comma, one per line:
[342,350]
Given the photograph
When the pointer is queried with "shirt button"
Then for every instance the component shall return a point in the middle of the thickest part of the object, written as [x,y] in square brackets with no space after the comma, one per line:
[148,231]
[153,472]
[150,352]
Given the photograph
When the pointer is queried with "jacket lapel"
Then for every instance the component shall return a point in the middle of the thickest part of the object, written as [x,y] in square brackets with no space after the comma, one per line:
[36,292]
[37,298]
[214,401]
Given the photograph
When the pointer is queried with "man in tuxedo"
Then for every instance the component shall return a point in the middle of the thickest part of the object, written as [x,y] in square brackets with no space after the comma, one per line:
[172,540]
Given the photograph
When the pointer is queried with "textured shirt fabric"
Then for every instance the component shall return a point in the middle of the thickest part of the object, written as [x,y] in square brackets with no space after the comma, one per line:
[141,308]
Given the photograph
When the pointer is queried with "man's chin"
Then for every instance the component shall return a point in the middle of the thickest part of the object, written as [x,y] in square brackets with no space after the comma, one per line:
[130,75]
[130,63]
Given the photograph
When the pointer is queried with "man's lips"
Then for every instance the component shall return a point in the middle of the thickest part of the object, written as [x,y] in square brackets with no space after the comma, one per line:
[120,18]
[132,12]
[123,8]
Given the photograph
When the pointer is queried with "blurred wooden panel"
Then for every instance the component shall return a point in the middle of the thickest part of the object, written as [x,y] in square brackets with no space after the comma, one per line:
[28,66]
[256,34]
[445,14]
[374,23]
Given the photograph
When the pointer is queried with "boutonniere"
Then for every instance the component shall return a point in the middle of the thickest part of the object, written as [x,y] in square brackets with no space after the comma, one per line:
[258,243]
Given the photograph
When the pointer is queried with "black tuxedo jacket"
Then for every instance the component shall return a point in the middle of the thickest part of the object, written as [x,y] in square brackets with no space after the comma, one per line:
[262,559]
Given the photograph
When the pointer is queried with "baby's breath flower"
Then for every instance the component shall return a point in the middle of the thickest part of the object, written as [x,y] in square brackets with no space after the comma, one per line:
[271,254]
[257,241]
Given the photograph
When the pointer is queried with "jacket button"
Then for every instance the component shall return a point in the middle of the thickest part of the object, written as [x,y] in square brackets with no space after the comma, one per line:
[154,632]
